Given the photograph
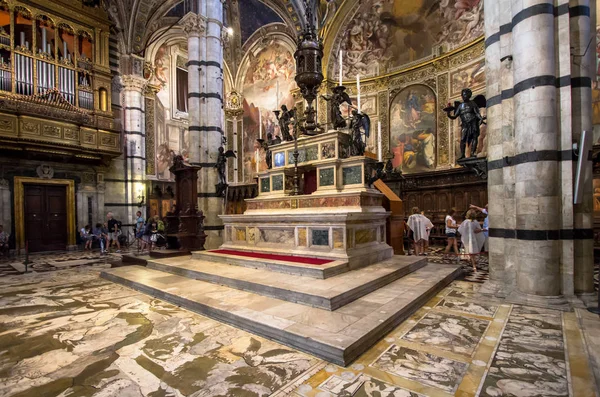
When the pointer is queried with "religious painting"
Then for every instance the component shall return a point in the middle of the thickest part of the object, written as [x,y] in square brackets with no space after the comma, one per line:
[413,129]
[596,84]
[384,35]
[596,195]
[471,76]
[267,84]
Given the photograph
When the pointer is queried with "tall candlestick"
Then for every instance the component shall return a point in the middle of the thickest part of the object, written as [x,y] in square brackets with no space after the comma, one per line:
[358,91]
[340,69]
[379,151]
[259,124]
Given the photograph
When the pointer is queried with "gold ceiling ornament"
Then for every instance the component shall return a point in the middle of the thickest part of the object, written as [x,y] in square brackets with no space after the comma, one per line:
[234,104]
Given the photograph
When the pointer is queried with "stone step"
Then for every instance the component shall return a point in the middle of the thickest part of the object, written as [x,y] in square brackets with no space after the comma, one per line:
[338,336]
[321,271]
[330,294]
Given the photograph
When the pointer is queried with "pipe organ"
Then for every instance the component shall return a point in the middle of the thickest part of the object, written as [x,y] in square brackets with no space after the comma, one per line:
[41,52]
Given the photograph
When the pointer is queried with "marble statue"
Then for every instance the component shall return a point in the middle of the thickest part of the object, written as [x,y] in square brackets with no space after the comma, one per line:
[336,100]
[470,119]
[284,121]
[360,122]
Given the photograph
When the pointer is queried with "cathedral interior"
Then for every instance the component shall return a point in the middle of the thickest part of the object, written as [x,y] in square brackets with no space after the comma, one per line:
[299,198]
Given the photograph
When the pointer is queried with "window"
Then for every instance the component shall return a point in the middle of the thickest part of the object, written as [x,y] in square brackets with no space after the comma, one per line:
[182,90]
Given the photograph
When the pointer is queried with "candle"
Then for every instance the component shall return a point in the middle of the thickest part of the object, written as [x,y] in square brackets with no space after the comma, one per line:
[64,50]
[256,159]
[43,39]
[22,39]
[358,91]
[277,96]
[259,124]
[340,69]
[379,151]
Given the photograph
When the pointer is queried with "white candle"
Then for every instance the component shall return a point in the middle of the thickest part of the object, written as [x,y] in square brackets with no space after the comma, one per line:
[277,97]
[44,39]
[64,50]
[358,91]
[22,39]
[259,124]
[256,158]
[379,151]
[340,70]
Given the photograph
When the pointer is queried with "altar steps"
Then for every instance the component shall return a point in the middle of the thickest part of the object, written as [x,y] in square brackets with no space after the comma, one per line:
[338,336]
[329,294]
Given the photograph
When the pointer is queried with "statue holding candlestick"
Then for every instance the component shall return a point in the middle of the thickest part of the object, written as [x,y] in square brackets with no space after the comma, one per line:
[360,122]
[284,119]
[336,100]
[470,118]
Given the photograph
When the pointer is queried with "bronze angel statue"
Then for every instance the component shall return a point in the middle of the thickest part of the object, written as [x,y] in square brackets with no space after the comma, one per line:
[284,121]
[222,163]
[360,122]
[336,100]
[470,118]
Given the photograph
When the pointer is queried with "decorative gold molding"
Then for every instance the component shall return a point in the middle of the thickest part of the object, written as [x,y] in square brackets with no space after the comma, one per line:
[19,205]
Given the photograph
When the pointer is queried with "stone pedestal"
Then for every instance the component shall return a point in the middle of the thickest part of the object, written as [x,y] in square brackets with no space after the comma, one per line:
[186,223]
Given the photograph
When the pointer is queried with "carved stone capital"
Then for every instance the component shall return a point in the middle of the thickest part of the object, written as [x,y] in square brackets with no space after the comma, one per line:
[133,83]
[193,24]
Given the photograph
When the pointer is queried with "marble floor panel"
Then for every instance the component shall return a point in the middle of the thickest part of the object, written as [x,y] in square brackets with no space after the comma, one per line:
[70,333]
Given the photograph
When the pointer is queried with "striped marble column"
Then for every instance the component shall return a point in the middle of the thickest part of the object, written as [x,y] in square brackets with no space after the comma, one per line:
[495,145]
[211,92]
[576,27]
[195,26]
[134,137]
[537,187]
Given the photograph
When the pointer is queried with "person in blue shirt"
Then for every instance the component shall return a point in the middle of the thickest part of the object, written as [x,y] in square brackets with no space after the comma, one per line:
[486,224]
[139,228]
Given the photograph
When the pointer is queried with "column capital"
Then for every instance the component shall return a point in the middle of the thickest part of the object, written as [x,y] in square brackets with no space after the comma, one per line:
[133,83]
[193,24]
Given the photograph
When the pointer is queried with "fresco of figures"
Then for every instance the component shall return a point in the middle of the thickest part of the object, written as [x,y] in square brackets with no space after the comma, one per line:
[272,67]
[471,76]
[384,35]
[413,129]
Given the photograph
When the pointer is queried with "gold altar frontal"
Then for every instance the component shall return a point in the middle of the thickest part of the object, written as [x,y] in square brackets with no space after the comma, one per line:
[343,219]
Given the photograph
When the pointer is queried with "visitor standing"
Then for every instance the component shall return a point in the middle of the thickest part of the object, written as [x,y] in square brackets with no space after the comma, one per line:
[486,225]
[420,226]
[471,236]
[114,231]
[139,229]
[451,229]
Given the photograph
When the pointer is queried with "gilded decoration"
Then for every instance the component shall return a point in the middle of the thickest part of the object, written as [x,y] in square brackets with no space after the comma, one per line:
[150,136]
[443,125]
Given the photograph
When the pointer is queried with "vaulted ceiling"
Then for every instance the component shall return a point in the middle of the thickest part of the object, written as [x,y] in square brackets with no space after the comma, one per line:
[136,20]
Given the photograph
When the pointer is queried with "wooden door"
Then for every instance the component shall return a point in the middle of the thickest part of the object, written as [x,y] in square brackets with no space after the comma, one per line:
[45,217]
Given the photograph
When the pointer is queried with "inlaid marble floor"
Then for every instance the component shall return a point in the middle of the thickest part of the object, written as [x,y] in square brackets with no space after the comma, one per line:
[69,333]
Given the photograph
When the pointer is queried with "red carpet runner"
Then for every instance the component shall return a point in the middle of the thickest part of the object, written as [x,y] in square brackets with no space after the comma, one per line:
[285,258]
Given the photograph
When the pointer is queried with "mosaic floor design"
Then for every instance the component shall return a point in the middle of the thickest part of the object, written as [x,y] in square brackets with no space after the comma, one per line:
[436,255]
[69,333]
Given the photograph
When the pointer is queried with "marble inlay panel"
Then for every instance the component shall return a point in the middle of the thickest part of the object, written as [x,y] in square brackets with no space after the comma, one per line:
[422,367]
[302,237]
[364,236]
[320,237]
[338,238]
[277,236]
[240,234]
[326,177]
[362,386]
[301,156]
[530,360]
[265,185]
[279,159]
[352,175]
[277,182]
[328,150]
[478,309]
[312,153]
[448,332]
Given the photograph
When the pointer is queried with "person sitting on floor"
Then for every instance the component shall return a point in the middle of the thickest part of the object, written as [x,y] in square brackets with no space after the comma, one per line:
[87,237]
[99,235]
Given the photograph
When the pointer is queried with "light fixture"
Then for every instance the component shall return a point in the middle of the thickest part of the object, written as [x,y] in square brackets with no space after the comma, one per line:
[230,31]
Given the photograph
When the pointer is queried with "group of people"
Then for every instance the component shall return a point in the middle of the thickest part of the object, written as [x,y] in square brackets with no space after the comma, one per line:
[107,234]
[148,233]
[473,234]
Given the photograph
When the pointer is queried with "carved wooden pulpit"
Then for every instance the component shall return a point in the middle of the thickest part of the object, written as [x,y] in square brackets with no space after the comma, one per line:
[185,223]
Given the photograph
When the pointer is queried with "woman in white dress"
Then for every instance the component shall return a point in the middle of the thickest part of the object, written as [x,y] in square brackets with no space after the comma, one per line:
[420,226]
[471,236]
